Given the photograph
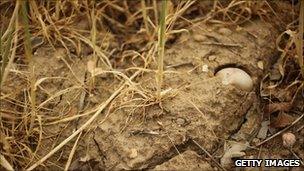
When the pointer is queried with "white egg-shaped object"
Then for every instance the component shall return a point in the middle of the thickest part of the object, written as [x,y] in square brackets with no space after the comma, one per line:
[236,77]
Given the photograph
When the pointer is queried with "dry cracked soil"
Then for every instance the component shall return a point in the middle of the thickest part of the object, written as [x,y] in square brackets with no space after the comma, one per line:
[137,132]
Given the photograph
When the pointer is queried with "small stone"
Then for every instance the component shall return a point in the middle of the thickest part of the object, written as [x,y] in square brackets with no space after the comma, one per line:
[86,158]
[255,141]
[199,37]
[225,31]
[36,42]
[133,153]
[238,28]
[236,77]
[205,68]
[263,131]
[288,139]
[211,57]
[261,65]
[180,121]
[275,76]
[218,92]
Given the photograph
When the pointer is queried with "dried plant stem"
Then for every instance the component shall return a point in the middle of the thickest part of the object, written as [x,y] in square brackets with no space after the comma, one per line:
[161,48]
[299,42]
[5,45]
[85,125]
[57,9]
[145,17]
[5,67]
[4,163]
[278,133]
[297,157]
[93,37]
[13,18]
[209,155]
[33,98]
[28,55]
[72,153]
[155,10]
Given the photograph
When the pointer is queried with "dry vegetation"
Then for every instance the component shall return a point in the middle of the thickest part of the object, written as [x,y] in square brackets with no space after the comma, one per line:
[126,39]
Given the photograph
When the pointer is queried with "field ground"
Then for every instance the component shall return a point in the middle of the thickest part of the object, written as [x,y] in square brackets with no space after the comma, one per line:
[87,96]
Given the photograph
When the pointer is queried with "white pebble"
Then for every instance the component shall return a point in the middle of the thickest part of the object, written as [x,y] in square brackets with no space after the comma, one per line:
[288,139]
[205,68]
[261,65]
[236,77]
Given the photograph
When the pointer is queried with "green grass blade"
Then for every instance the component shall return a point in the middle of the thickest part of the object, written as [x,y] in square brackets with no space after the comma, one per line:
[161,47]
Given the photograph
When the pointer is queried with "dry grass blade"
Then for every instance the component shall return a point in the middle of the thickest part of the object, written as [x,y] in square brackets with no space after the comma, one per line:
[38,16]
[85,125]
[93,37]
[4,163]
[28,55]
[98,51]
[182,7]
[296,156]
[209,155]
[39,81]
[5,50]
[7,68]
[72,117]
[145,18]
[299,40]
[72,153]
[12,20]
[59,93]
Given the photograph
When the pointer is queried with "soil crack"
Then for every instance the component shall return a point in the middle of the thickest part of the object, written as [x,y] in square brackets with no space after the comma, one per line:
[174,151]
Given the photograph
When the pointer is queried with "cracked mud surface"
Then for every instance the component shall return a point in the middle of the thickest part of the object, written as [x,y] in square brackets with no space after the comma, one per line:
[150,135]
[203,109]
